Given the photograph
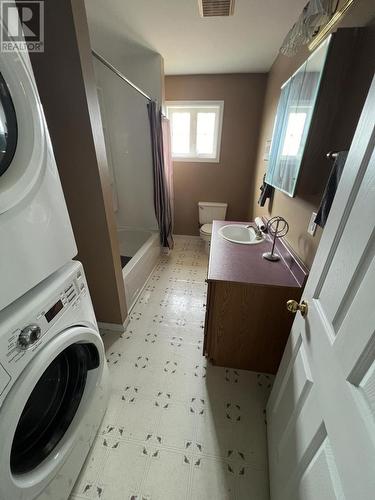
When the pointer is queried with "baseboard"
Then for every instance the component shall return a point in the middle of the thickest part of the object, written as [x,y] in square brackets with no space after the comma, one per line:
[113,327]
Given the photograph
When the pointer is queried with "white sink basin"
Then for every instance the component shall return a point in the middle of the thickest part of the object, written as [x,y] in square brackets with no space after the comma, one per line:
[239,233]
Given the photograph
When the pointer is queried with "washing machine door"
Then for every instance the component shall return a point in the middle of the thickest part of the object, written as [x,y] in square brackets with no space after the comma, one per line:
[45,412]
[23,142]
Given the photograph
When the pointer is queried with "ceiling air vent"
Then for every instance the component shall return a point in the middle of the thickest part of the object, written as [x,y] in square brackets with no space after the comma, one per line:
[212,8]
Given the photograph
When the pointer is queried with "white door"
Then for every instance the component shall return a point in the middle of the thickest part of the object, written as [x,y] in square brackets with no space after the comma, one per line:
[321,413]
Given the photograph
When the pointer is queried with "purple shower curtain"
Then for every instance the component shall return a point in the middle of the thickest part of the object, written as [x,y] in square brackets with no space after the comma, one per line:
[168,162]
[162,177]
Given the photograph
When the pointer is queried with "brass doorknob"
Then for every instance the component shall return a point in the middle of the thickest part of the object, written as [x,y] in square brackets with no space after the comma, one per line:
[293,307]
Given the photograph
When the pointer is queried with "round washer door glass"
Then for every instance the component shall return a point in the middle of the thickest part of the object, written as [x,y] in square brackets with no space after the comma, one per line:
[8,127]
[51,406]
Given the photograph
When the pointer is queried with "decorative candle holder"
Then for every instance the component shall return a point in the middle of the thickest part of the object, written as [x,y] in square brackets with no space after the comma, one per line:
[277,227]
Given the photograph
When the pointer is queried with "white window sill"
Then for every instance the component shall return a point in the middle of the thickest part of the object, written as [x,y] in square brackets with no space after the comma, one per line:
[196,160]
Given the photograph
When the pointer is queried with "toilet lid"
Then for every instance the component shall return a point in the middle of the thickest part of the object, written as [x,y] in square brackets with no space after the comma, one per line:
[206,228]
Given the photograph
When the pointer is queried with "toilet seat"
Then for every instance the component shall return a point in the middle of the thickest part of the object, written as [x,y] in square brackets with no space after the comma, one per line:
[206,229]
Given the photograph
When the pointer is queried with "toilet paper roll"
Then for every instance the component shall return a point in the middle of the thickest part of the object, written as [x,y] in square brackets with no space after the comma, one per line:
[259,222]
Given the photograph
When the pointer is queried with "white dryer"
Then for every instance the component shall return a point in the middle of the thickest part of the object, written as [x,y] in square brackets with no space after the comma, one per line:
[36,237]
[53,387]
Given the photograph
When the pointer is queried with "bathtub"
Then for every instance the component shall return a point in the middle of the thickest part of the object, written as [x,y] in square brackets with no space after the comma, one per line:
[144,249]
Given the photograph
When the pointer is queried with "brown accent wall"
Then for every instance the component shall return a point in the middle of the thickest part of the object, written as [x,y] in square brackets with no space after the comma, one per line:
[230,180]
[66,84]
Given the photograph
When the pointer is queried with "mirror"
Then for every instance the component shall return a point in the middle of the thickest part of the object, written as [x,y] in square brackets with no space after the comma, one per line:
[8,127]
[292,122]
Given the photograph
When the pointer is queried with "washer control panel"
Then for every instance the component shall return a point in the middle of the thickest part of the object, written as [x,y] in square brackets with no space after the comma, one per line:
[28,336]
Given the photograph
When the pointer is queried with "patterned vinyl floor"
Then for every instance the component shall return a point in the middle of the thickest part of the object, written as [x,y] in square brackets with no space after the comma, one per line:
[176,428]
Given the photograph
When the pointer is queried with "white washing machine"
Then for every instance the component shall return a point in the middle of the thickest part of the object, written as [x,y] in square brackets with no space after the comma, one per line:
[36,237]
[53,387]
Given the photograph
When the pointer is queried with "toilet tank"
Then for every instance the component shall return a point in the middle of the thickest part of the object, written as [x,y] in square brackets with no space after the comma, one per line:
[210,211]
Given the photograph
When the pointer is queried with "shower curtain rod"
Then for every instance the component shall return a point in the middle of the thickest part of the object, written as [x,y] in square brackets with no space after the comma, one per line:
[119,74]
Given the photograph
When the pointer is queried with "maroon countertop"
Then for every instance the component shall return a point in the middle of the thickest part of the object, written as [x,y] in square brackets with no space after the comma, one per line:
[244,263]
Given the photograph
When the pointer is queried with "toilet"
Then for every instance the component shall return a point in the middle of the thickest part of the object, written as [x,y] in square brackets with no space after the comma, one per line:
[208,212]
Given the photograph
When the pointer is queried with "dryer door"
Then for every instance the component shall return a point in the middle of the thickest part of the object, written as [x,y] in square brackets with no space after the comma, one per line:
[8,127]
[46,411]
[23,142]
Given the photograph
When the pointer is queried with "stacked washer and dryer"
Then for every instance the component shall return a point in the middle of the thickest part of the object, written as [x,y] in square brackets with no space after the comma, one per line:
[53,373]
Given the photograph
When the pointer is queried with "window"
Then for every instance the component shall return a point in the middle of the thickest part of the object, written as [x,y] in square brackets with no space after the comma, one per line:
[196,130]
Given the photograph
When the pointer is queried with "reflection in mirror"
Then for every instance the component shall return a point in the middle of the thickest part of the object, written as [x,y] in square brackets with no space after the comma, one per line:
[8,127]
[292,123]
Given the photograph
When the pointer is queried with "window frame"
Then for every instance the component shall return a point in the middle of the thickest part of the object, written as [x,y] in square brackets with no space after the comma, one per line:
[201,106]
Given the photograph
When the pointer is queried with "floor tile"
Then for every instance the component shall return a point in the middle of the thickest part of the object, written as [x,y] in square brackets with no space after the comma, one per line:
[168,476]
[124,470]
[211,479]
[176,428]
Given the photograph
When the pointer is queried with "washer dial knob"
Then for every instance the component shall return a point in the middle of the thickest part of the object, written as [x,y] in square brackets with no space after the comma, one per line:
[28,336]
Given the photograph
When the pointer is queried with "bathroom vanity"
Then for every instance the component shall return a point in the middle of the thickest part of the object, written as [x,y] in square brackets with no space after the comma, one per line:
[247,323]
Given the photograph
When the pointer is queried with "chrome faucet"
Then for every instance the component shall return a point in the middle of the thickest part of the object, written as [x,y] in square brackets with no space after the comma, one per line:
[257,231]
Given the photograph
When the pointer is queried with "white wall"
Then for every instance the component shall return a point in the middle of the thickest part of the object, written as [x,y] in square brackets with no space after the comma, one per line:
[126,125]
